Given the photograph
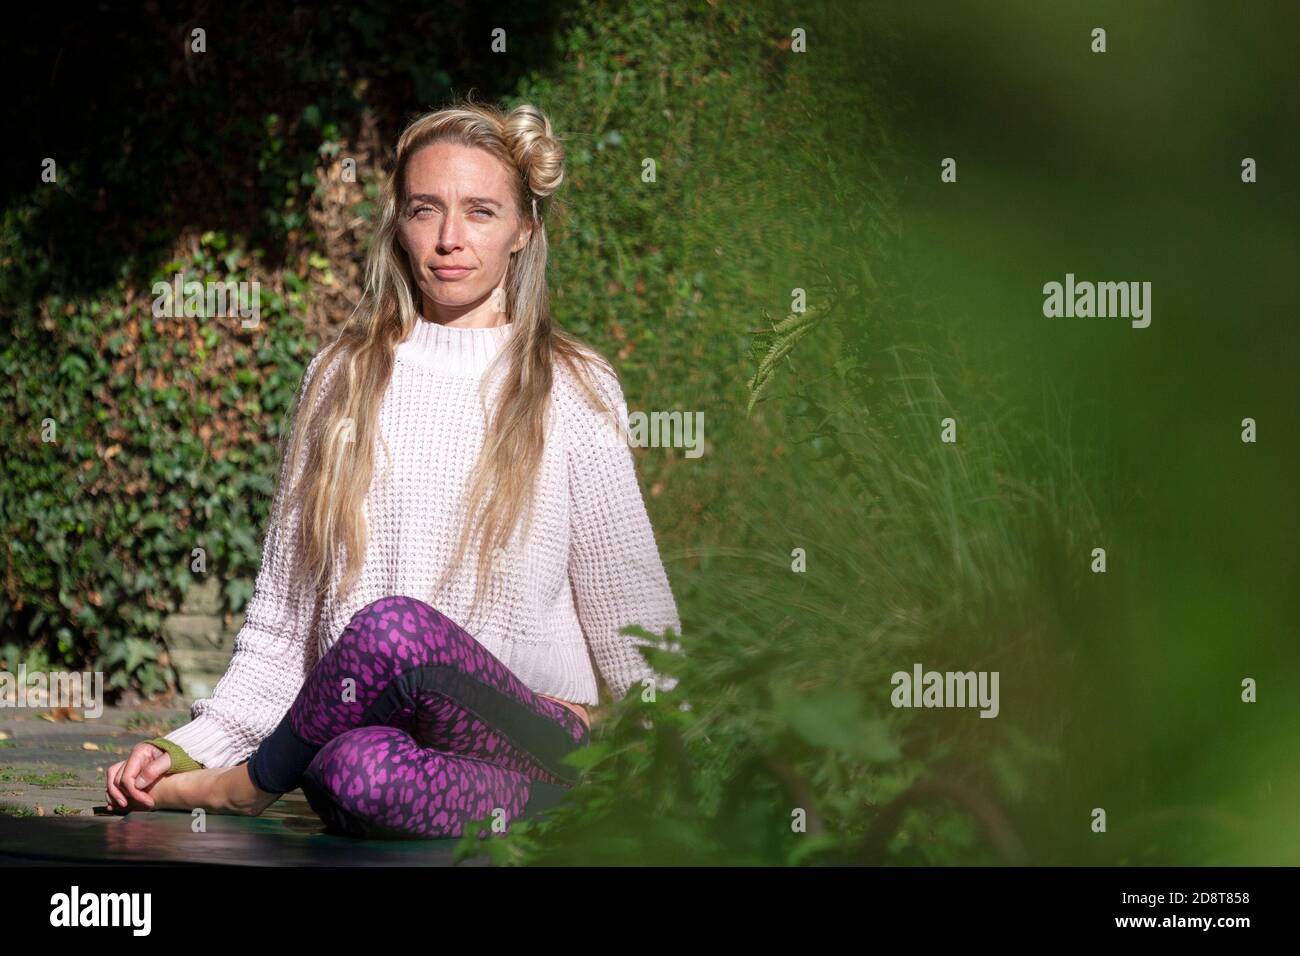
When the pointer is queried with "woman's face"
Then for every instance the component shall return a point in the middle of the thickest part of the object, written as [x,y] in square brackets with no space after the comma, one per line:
[460,212]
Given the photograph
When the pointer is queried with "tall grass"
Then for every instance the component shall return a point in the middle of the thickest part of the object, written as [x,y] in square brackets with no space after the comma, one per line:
[957,556]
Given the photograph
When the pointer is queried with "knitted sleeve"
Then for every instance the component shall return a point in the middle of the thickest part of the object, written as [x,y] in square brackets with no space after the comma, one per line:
[272,655]
[615,570]
[181,761]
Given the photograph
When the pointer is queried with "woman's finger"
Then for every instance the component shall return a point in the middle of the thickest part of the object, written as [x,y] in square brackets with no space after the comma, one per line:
[135,765]
[115,798]
[149,775]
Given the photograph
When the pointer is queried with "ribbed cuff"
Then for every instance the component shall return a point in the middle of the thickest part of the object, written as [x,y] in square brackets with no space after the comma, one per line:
[181,761]
[208,741]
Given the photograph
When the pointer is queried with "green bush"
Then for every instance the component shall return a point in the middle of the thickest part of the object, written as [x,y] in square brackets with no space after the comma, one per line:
[157,446]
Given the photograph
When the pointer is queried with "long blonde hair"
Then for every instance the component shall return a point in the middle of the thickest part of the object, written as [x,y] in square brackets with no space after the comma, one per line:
[339,434]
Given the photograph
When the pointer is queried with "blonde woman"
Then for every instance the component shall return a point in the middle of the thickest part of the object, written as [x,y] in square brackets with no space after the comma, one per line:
[457,533]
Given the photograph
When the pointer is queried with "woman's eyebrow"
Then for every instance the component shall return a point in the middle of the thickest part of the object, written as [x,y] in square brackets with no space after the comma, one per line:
[467,201]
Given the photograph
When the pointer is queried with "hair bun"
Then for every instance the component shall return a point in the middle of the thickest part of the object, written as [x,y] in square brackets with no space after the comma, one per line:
[537,152]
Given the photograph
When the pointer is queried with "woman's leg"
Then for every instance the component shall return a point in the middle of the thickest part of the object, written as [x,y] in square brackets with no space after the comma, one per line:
[403,665]
[378,782]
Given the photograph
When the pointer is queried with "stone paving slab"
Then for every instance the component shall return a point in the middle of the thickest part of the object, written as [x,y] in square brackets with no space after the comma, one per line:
[46,767]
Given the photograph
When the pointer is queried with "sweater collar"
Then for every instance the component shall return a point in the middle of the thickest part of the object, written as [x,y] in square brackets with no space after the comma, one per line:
[453,349]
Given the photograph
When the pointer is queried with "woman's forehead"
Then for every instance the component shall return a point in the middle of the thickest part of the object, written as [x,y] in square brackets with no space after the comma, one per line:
[452,171]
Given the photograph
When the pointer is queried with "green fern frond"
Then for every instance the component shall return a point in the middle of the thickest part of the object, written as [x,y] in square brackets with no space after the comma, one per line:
[786,335]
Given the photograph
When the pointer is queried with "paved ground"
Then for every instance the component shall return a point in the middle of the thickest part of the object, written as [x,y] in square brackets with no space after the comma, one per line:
[56,766]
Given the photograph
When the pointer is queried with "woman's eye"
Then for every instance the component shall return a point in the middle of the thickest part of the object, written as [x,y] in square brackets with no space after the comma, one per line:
[423,209]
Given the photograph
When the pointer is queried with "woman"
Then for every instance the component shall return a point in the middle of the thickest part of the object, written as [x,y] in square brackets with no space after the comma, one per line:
[418,649]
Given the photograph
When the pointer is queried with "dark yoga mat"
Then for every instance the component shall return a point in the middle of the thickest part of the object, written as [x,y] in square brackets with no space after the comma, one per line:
[289,834]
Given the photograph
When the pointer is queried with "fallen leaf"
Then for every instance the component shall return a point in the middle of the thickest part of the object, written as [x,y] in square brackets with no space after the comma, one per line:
[62,713]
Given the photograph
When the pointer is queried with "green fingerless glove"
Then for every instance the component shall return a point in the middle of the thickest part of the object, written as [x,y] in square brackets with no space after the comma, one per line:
[181,761]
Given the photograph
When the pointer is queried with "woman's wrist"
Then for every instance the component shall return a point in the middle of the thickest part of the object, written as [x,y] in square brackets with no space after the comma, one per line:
[181,762]
[172,792]
[206,788]
[227,790]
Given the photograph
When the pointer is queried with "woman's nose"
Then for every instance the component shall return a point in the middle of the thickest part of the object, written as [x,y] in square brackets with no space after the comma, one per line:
[449,233]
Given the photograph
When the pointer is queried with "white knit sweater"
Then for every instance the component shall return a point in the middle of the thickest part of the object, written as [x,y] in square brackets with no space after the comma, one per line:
[558,599]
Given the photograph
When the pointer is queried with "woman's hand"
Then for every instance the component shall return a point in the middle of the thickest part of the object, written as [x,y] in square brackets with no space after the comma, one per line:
[129,782]
[226,790]
[140,783]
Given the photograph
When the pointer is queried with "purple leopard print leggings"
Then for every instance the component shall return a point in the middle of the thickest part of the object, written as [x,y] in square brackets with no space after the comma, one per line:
[409,728]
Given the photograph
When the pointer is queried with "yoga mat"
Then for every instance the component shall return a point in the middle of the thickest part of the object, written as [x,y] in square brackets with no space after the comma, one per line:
[289,834]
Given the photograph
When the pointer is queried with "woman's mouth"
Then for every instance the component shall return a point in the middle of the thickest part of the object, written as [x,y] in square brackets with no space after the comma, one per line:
[451,272]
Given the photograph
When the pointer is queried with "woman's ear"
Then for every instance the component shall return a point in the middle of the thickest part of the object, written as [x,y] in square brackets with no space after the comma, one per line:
[524,235]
